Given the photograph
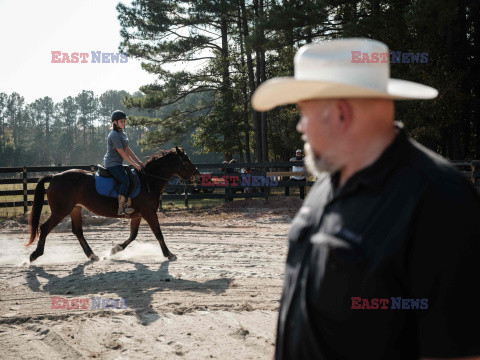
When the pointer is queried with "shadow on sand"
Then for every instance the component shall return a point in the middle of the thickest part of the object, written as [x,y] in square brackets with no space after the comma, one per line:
[137,286]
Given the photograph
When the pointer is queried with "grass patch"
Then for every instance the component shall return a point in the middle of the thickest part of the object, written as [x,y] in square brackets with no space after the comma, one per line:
[15,212]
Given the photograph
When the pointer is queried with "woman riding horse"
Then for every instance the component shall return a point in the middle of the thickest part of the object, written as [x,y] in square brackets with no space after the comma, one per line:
[117,151]
[72,190]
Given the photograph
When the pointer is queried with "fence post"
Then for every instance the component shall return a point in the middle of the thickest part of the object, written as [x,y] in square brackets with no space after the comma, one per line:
[186,196]
[230,191]
[25,191]
[160,204]
[287,188]
[266,188]
[227,192]
[303,188]
[473,173]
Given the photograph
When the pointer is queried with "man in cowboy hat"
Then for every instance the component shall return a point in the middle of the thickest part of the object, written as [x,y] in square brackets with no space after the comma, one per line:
[383,255]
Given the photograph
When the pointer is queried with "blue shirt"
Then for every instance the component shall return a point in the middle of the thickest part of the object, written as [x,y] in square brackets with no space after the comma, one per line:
[116,140]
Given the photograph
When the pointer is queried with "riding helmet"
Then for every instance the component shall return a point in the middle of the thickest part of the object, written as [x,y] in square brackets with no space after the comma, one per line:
[117,115]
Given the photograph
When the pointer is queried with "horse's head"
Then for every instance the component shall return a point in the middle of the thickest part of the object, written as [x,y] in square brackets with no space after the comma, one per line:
[185,169]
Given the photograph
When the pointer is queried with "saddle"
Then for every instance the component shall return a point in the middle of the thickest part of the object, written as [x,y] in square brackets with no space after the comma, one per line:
[107,185]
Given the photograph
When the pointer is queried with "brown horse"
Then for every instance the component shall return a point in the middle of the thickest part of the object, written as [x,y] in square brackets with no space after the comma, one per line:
[72,190]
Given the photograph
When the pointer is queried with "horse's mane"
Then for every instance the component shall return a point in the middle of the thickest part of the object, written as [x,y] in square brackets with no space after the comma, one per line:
[162,154]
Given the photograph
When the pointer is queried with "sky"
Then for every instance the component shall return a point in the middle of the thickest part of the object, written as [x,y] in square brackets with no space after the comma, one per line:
[32,29]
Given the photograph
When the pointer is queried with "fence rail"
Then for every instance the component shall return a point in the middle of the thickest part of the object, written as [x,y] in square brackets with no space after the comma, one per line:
[30,174]
[271,170]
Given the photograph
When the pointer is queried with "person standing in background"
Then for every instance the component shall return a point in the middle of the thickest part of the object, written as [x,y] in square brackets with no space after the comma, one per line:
[298,180]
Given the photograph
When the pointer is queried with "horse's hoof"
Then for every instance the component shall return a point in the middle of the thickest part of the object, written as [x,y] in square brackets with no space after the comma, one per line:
[94,257]
[117,248]
[25,263]
[172,257]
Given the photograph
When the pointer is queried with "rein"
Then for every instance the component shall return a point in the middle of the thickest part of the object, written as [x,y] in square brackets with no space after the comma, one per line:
[154,176]
[157,177]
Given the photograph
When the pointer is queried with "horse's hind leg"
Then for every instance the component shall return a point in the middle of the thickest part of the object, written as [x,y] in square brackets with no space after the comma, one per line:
[134,225]
[76,216]
[45,228]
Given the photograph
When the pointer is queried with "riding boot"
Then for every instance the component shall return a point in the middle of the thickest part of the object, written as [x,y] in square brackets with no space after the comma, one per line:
[128,207]
[121,205]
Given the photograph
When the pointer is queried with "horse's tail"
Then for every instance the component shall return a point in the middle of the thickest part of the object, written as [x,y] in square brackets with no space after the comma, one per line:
[34,217]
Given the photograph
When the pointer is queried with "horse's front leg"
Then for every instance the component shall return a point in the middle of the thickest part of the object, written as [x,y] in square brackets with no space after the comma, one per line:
[134,225]
[152,220]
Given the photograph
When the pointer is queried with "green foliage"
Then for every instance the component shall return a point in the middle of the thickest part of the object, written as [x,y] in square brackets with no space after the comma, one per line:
[210,55]
[72,132]
[240,41]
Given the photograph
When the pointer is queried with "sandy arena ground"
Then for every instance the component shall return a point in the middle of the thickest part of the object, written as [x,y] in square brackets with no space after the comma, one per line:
[218,300]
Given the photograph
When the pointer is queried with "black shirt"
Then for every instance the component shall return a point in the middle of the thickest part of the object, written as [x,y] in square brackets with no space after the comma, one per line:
[406,227]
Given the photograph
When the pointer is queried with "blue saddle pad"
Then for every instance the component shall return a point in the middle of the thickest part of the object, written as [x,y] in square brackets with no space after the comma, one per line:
[105,186]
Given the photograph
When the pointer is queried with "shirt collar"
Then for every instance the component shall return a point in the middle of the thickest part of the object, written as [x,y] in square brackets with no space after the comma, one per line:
[375,175]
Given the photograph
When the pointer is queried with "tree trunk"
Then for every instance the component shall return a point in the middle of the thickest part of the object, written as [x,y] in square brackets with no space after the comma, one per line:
[462,61]
[263,78]
[225,87]
[456,149]
[251,79]
[474,17]
[240,152]
[3,134]
[260,116]
[246,102]
[14,129]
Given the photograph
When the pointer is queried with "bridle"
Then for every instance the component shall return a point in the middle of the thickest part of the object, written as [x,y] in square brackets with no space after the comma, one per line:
[163,178]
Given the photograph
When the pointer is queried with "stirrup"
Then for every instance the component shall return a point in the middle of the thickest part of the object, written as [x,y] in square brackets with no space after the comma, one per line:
[128,210]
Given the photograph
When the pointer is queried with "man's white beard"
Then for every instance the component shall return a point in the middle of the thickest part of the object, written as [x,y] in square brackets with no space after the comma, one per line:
[317,165]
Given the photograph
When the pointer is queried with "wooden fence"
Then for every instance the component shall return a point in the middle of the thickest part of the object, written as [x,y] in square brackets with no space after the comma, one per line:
[269,170]
[31,174]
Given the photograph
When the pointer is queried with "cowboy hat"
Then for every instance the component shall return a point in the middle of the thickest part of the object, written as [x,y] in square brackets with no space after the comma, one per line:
[334,69]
